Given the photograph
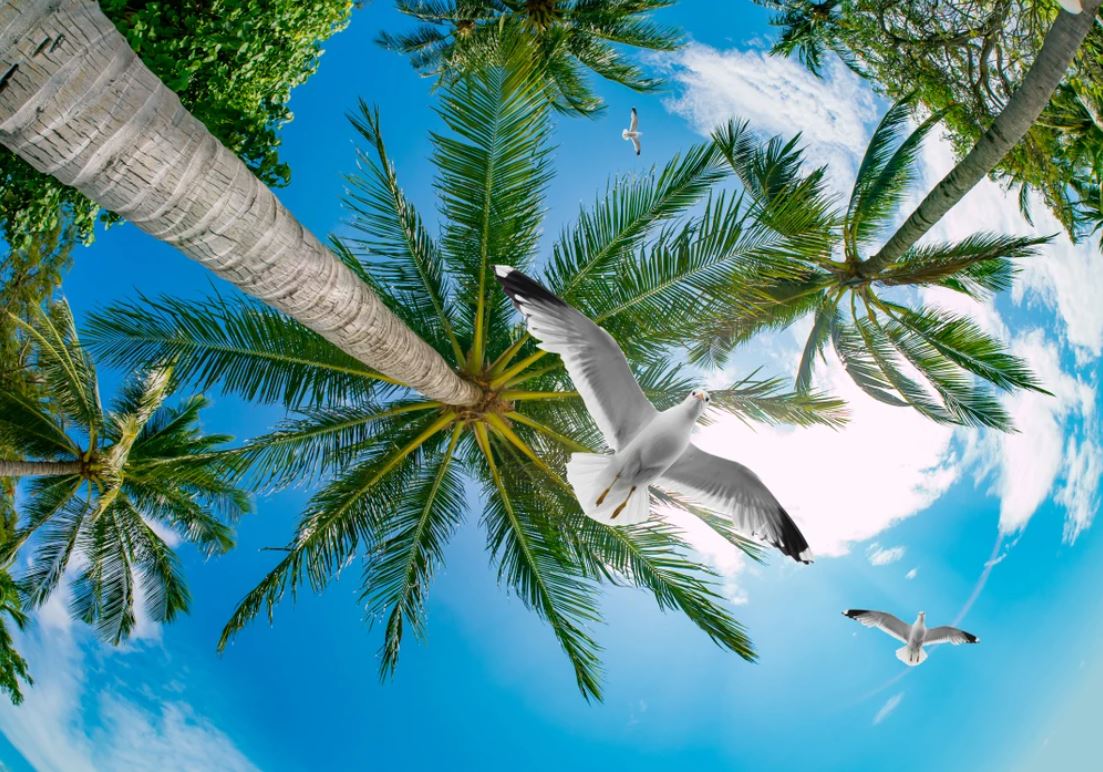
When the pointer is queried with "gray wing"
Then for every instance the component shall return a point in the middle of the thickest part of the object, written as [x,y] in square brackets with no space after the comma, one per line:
[946,634]
[593,359]
[734,490]
[635,142]
[898,629]
[634,121]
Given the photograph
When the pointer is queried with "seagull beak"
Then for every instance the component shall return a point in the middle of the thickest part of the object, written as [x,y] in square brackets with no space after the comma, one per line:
[699,397]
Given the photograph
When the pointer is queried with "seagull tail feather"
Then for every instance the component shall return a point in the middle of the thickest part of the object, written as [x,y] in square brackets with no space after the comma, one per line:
[909,657]
[593,478]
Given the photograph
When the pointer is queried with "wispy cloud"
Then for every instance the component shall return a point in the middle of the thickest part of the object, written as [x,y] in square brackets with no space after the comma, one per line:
[882,556]
[55,729]
[891,704]
[911,574]
[777,96]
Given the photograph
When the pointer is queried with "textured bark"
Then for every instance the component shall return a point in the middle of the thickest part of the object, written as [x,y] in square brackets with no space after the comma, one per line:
[77,103]
[1010,126]
[38,468]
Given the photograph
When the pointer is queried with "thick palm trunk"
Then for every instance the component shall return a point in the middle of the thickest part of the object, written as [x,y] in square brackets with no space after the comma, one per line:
[38,468]
[77,103]
[1010,126]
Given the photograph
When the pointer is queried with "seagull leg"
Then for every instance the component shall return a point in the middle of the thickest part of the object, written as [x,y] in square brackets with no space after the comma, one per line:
[623,504]
[605,492]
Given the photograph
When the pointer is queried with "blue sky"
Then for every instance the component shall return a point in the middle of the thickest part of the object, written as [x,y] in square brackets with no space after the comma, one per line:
[904,514]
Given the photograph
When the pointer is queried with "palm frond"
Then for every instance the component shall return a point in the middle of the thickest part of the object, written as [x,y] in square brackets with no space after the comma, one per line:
[349,512]
[240,346]
[765,400]
[961,341]
[979,266]
[587,256]
[405,262]
[817,338]
[886,174]
[795,204]
[536,567]
[491,178]
[396,580]
[64,366]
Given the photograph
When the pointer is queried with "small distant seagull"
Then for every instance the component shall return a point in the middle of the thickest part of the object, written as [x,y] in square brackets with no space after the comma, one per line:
[649,446]
[915,636]
[1072,6]
[632,133]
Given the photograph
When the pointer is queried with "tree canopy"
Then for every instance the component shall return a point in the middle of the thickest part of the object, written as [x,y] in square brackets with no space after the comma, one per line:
[965,58]
[566,39]
[232,63]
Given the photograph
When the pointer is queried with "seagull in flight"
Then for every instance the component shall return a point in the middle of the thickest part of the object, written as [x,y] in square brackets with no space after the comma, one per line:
[632,131]
[649,446]
[915,636]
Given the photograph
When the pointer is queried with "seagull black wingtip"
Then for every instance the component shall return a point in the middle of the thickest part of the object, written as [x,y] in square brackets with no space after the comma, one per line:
[521,287]
[792,542]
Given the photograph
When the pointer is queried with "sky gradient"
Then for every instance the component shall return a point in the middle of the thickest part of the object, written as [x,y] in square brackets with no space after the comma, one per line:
[904,515]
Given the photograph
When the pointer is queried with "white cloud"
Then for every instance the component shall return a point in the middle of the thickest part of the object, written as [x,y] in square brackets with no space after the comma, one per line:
[53,731]
[911,574]
[891,704]
[882,556]
[1025,467]
[1080,493]
[811,471]
[777,96]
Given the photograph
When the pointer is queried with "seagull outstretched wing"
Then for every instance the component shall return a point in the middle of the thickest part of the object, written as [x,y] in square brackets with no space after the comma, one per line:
[947,634]
[882,621]
[593,359]
[634,121]
[734,490]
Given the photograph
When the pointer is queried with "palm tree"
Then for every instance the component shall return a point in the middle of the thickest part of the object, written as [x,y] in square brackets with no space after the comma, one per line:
[1022,110]
[567,37]
[143,467]
[13,668]
[393,462]
[806,30]
[77,103]
[809,29]
[856,305]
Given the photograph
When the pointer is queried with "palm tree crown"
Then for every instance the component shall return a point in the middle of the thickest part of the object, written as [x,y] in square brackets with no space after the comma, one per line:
[394,463]
[567,37]
[937,362]
[106,483]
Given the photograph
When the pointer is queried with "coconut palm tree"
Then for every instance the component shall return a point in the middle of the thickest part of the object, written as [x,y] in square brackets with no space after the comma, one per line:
[567,37]
[77,103]
[643,261]
[108,484]
[883,341]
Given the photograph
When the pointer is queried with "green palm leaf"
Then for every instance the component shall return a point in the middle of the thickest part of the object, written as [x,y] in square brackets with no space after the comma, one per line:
[536,567]
[491,179]
[243,347]
[396,580]
[403,260]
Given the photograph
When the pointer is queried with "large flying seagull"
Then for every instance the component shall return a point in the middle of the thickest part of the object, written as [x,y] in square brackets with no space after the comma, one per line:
[650,447]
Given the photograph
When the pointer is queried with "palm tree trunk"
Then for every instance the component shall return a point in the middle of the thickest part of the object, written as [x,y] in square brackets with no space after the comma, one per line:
[1022,110]
[38,468]
[77,103]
